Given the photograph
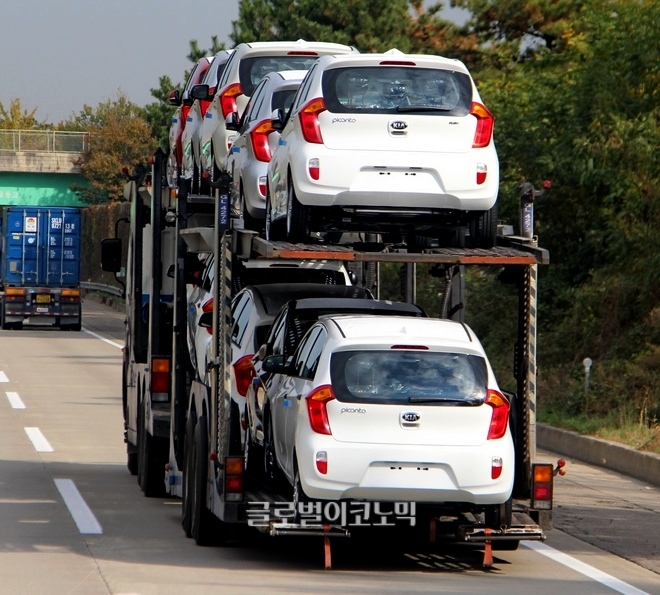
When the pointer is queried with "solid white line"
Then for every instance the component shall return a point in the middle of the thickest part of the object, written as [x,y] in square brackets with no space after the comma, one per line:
[38,440]
[3,377]
[81,513]
[108,341]
[15,401]
[598,575]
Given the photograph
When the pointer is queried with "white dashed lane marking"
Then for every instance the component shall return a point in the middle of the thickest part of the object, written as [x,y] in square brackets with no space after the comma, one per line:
[15,401]
[80,512]
[38,440]
[3,377]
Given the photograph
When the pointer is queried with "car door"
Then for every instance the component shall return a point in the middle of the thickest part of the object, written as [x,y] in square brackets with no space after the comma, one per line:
[296,387]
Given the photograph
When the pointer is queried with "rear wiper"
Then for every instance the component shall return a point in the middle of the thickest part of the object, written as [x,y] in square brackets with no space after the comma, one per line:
[421,108]
[450,400]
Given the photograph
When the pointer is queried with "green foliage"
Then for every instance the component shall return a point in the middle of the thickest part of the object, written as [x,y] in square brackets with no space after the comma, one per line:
[120,137]
[16,117]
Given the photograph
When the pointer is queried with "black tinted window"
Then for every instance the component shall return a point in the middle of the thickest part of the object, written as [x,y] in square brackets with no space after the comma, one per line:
[398,376]
[396,89]
[252,70]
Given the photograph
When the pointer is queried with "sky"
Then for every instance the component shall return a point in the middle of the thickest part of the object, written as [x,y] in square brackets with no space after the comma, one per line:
[59,55]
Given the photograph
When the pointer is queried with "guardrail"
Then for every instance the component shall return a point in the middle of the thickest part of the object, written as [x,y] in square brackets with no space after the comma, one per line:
[103,288]
[44,141]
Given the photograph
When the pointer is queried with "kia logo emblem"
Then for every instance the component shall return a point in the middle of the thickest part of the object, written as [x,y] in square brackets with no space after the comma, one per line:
[399,125]
[410,417]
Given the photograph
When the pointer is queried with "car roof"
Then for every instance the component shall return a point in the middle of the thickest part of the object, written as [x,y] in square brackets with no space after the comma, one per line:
[392,57]
[366,306]
[300,44]
[287,75]
[432,332]
[274,295]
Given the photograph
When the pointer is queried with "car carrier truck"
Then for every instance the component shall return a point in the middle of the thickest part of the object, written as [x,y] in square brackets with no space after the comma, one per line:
[181,430]
[41,267]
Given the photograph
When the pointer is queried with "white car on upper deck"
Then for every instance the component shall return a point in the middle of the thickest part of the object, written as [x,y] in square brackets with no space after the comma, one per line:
[386,142]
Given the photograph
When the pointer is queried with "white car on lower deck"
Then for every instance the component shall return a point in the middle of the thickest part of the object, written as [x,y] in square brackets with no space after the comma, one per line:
[392,409]
[382,142]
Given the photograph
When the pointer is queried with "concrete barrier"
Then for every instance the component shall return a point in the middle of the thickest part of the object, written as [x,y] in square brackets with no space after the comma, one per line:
[644,466]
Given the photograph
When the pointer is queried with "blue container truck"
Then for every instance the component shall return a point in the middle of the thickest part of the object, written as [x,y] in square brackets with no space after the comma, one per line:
[41,267]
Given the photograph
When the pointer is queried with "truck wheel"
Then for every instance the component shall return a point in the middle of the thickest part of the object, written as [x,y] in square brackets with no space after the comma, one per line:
[131,461]
[297,218]
[205,528]
[151,461]
[188,477]
[483,229]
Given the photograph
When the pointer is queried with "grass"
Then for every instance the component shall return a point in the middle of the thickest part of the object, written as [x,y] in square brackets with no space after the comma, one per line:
[616,427]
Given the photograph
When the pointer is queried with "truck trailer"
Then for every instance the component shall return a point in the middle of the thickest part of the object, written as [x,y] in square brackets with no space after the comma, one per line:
[41,267]
[182,431]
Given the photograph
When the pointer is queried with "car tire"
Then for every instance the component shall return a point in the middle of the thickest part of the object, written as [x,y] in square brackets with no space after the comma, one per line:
[483,229]
[297,218]
[249,222]
[271,466]
[298,495]
[274,229]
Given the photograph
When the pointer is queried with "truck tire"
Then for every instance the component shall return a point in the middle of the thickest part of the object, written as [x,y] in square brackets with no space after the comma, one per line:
[188,475]
[151,460]
[206,529]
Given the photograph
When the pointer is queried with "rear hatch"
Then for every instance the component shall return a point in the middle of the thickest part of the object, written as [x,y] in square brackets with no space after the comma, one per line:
[392,108]
[397,397]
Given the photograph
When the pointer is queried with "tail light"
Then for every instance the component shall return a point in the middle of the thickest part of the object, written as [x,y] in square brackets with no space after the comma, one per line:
[316,409]
[234,478]
[259,139]
[485,121]
[160,378]
[244,373]
[542,474]
[228,99]
[482,171]
[313,166]
[309,120]
[208,307]
[500,419]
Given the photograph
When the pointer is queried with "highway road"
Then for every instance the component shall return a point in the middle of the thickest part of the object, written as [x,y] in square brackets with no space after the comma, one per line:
[73,520]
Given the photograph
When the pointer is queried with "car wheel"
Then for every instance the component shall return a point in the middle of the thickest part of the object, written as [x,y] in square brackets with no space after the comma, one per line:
[483,229]
[271,466]
[274,231]
[452,238]
[298,497]
[297,218]
[249,222]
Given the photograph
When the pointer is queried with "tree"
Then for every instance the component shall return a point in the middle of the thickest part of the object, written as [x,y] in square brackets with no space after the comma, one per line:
[369,25]
[120,137]
[16,117]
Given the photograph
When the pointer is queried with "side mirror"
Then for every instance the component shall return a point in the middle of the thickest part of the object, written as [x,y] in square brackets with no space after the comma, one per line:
[174,98]
[111,255]
[206,320]
[232,122]
[274,364]
[200,92]
[277,119]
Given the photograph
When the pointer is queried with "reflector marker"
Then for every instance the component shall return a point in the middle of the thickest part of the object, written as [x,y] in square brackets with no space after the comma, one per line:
[3,377]
[80,512]
[15,401]
[589,571]
[38,440]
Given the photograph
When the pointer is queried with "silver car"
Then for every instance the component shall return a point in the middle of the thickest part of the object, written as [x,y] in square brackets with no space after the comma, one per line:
[251,151]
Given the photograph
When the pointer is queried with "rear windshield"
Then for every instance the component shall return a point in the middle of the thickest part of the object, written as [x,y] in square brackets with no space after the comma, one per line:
[396,89]
[397,376]
[252,70]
